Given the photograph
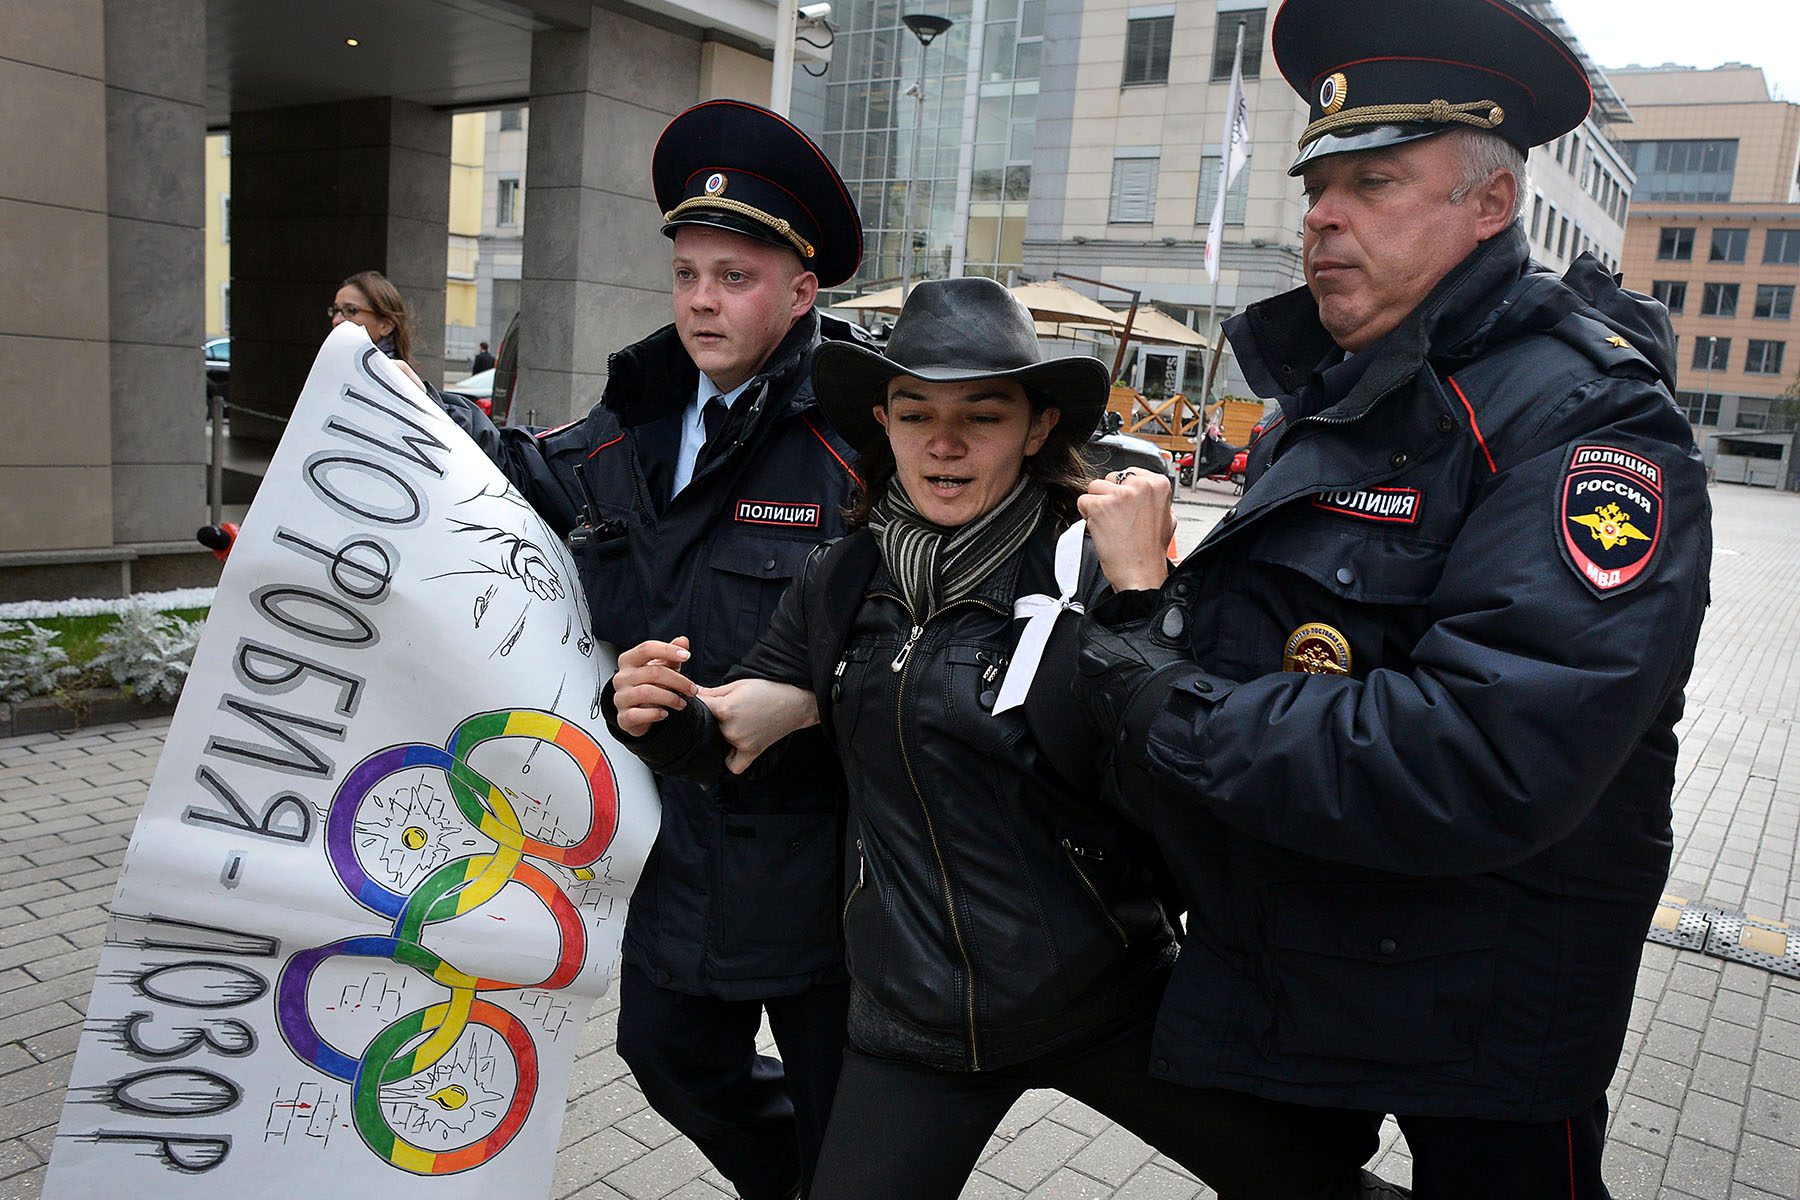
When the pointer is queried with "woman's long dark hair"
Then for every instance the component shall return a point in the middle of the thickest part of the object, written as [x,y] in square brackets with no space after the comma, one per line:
[1057,465]
[385,302]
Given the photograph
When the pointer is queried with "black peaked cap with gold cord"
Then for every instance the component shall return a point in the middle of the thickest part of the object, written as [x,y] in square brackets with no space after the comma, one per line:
[732,165]
[1382,72]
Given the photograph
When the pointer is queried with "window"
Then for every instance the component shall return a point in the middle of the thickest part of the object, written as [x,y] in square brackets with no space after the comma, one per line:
[1574,151]
[1753,413]
[1537,213]
[225,315]
[225,218]
[1682,170]
[1671,293]
[1719,349]
[1728,245]
[1562,239]
[1745,448]
[1236,198]
[1774,301]
[1225,41]
[1675,245]
[509,119]
[1147,40]
[1702,408]
[1134,185]
[1782,246]
[1718,300]
[1550,228]
[1559,148]
[506,202]
[1764,357]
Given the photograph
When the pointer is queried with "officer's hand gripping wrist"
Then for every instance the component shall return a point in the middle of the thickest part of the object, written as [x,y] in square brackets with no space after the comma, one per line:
[1129,661]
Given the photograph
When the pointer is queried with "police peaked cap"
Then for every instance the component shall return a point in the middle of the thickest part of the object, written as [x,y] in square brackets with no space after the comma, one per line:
[1381,72]
[732,165]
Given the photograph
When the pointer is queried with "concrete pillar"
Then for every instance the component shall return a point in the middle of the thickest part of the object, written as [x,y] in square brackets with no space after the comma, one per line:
[595,275]
[55,418]
[155,193]
[319,192]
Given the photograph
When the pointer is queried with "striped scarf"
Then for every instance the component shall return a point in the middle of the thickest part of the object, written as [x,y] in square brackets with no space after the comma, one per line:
[935,567]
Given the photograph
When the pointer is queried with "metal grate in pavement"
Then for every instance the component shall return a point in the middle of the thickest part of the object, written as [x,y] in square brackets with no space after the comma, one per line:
[1726,933]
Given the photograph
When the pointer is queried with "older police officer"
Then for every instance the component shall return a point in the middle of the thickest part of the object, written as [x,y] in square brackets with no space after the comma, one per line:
[691,493]
[1403,724]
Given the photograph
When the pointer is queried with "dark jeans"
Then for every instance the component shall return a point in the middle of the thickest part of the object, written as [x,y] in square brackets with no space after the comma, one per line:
[901,1131]
[1460,1159]
[759,1120]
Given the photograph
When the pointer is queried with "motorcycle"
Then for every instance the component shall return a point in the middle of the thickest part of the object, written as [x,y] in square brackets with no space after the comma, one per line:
[1218,460]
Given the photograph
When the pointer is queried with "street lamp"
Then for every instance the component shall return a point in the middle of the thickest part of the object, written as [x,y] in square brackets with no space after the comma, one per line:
[926,28]
[1706,393]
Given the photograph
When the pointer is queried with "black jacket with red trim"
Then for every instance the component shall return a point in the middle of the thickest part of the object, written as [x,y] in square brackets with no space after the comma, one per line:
[1416,786]
[739,897]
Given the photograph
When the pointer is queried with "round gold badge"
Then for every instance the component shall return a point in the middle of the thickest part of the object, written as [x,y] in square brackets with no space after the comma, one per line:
[715,184]
[1333,92]
[1316,649]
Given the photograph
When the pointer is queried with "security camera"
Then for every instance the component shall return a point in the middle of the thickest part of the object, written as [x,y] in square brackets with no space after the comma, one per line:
[814,12]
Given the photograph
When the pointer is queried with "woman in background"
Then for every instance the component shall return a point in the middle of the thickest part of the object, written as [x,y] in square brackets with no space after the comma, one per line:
[369,299]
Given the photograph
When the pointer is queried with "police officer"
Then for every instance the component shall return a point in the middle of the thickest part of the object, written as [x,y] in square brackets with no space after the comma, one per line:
[1403,724]
[691,494]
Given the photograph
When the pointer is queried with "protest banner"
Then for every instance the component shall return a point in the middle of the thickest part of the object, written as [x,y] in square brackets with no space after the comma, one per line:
[383,867]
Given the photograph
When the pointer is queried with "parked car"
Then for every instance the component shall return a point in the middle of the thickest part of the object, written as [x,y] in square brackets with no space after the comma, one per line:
[218,369]
[478,389]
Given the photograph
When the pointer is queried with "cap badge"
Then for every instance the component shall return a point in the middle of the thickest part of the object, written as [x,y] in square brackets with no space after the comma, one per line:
[1616,340]
[715,184]
[1316,649]
[1333,92]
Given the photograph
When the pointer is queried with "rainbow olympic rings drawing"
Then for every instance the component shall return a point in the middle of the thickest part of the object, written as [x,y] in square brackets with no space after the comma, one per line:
[417,1041]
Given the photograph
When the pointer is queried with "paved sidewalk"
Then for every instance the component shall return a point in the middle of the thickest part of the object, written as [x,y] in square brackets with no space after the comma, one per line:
[1706,1098]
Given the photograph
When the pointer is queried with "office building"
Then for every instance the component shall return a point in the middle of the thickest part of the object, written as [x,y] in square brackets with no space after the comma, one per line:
[1715,235]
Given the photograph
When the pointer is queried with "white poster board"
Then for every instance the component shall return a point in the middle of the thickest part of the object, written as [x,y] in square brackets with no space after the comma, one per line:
[383,868]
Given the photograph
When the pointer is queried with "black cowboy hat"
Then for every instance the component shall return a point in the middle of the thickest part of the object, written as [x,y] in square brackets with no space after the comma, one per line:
[739,167]
[950,331]
[1381,72]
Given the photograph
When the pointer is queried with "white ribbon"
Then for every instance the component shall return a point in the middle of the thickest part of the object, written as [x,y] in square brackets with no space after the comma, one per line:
[1041,612]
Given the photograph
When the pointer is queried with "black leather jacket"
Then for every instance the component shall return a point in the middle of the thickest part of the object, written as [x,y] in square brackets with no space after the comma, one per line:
[995,910]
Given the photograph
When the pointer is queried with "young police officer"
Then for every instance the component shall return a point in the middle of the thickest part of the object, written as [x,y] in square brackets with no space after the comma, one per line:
[691,494]
[1404,723]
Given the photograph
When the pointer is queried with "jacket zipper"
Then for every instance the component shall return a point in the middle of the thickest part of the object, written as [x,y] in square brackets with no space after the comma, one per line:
[1076,853]
[637,486]
[906,648]
[899,665]
[861,863]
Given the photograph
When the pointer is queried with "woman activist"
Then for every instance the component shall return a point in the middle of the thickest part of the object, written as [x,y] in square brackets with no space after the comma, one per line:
[1003,928]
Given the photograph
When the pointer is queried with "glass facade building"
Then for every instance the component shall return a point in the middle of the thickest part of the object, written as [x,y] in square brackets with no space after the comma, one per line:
[976,132]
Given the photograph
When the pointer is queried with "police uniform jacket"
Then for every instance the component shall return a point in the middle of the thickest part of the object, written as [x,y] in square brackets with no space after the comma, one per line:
[1421,885]
[738,898]
[994,911]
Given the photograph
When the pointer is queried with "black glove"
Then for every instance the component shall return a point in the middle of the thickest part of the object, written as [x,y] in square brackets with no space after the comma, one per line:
[1133,651]
[688,743]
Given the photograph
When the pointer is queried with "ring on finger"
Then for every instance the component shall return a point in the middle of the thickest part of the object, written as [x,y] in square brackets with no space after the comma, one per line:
[1122,476]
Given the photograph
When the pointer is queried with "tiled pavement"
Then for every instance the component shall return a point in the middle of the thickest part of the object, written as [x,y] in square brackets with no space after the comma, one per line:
[1707,1095]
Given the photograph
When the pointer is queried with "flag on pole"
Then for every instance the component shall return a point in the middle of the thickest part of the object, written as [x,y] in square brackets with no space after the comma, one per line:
[1235,153]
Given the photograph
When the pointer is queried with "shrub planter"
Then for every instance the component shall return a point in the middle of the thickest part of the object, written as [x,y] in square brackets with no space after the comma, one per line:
[74,710]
